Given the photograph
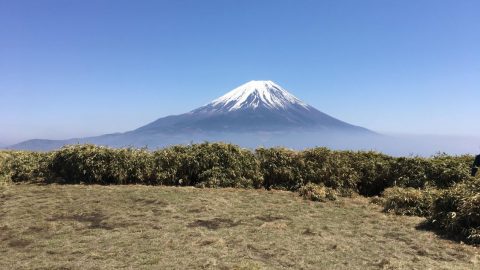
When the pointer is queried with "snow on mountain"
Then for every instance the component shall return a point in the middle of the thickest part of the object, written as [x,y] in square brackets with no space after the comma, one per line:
[256,94]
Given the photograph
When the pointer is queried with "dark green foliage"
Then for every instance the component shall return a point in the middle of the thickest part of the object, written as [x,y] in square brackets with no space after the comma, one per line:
[330,168]
[374,171]
[409,172]
[102,165]
[367,173]
[208,165]
[169,165]
[441,171]
[137,166]
[409,201]
[445,171]
[281,168]
[457,211]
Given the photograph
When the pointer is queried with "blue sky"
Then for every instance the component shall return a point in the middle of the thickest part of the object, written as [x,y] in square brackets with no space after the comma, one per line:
[78,68]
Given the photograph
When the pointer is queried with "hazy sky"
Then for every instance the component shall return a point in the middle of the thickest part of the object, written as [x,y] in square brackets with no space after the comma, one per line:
[75,68]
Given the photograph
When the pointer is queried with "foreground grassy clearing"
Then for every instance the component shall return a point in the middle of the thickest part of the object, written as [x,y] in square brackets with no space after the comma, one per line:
[78,227]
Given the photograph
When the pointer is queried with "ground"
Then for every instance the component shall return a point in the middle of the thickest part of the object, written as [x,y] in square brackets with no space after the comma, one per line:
[145,227]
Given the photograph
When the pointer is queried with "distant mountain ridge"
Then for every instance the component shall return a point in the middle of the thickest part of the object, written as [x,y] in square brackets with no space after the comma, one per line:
[256,107]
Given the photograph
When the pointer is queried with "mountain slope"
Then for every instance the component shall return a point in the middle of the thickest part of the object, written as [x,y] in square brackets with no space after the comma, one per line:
[254,106]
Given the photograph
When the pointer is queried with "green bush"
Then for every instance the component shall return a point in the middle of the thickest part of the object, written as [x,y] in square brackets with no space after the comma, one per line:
[315,192]
[374,171]
[330,168]
[409,172]
[170,168]
[102,165]
[208,165]
[457,211]
[444,171]
[19,166]
[281,168]
[137,166]
[409,201]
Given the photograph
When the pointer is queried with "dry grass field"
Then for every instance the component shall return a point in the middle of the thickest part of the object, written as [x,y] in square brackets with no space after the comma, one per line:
[146,227]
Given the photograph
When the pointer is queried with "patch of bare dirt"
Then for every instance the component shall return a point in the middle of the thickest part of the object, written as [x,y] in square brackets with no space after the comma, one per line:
[95,219]
[271,218]
[214,224]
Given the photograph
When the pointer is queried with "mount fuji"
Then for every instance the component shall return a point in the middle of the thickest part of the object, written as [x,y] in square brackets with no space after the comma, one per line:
[255,112]
[252,107]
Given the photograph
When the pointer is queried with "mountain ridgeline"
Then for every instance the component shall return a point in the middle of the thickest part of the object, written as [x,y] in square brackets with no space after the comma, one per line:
[257,113]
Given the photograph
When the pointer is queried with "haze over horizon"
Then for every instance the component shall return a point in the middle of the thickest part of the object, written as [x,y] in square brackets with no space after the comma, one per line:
[75,69]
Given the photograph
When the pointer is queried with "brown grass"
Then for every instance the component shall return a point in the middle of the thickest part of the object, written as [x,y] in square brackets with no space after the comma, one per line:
[145,227]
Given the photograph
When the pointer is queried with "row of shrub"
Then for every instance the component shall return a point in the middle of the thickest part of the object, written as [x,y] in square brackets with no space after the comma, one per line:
[226,165]
[368,173]
[210,165]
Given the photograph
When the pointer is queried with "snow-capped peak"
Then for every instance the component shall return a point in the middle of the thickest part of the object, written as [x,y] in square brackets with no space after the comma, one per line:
[257,93]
